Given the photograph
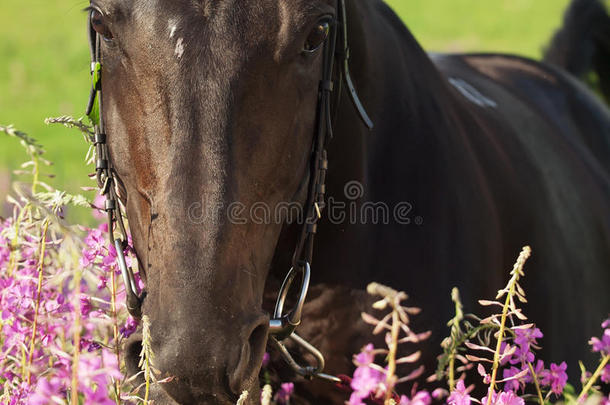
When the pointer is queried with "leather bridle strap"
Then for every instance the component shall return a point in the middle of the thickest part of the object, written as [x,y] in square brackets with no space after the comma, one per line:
[106,177]
[282,325]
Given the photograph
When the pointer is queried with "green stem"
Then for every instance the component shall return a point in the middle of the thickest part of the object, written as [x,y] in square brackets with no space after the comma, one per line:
[496,363]
[593,378]
[392,353]
[15,241]
[43,245]
[147,375]
[516,272]
[76,337]
[35,173]
[452,372]
[115,333]
[536,383]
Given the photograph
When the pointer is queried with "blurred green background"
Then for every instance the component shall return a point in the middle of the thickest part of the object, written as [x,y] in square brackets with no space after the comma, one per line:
[44,62]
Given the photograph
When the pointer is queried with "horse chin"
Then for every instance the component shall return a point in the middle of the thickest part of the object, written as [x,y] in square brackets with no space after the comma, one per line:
[159,396]
[182,387]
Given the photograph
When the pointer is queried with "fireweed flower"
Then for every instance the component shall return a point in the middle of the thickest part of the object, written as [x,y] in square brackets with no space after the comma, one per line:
[266,358]
[493,394]
[420,398]
[513,384]
[503,398]
[36,364]
[284,393]
[605,377]
[508,398]
[556,377]
[538,369]
[130,326]
[522,355]
[460,395]
[602,345]
[483,373]
[366,379]
[365,382]
[527,337]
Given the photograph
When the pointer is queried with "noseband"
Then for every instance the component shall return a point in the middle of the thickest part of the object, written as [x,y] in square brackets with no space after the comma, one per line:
[283,324]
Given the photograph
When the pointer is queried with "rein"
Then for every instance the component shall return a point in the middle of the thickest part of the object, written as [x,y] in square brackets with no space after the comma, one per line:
[282,325]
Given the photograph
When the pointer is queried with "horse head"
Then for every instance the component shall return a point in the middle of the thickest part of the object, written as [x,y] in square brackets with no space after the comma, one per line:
[208,110]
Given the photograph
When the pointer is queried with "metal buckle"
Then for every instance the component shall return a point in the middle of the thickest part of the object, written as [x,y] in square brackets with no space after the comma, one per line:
[134,302]
[282,325]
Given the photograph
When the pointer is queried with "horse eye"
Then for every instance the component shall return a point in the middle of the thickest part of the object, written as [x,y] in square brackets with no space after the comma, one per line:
[99,25]
[317,36]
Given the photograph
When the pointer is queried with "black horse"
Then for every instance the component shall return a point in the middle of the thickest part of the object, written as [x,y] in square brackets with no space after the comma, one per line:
[582,45]
[212,104]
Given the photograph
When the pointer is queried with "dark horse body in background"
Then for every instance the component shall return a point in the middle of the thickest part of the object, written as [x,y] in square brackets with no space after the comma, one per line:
[212,101]
[582,45]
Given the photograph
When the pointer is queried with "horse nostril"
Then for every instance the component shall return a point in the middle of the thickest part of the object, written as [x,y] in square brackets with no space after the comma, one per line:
[250,359]
[133,348]
[257,341]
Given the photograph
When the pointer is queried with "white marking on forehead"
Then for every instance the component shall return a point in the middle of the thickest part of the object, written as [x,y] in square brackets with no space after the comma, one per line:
[179,48]
[472,94]
[171,26]
[283,33]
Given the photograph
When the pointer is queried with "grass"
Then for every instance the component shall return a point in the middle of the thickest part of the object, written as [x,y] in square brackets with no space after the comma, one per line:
[44,71]
[523,27]
[44,62]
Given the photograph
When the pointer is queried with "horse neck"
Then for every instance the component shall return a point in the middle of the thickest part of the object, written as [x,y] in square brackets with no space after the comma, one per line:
[408,98]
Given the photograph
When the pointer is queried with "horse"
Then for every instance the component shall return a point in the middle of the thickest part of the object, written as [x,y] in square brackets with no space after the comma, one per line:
[212,114]
[582,45]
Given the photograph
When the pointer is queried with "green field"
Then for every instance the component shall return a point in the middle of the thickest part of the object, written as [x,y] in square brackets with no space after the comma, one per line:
[44,66]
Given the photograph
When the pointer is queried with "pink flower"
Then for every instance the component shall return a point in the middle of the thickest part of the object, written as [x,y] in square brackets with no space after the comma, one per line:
[605,400]
[95,241]
[420,398]
[366,381]
[486,377]
[85,305]
[102,282]
[508,398]
[513,384]
[527,337]
[266,358]
[45,391]
[522,355]
[130,327]
[601,345]
[440,393]
[503,398]
[556,377]
[99,206]
[538,369]
[606,374]
[460,395]
[493,394]
[366,356]
[284,393]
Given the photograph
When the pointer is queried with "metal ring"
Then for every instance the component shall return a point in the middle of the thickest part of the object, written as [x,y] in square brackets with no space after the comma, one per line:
[282,325]
[134,302]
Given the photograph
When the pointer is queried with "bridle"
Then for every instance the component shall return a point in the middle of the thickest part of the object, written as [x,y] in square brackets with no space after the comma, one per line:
[282,324]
